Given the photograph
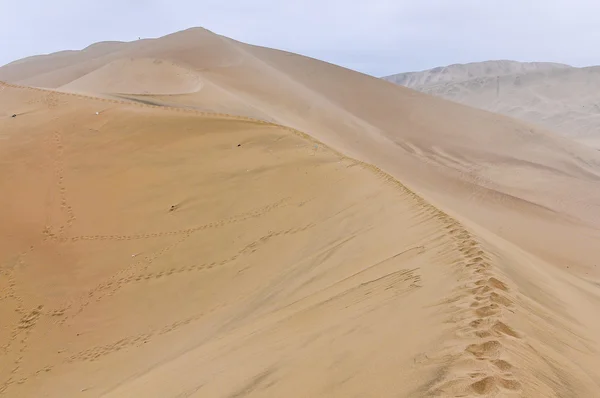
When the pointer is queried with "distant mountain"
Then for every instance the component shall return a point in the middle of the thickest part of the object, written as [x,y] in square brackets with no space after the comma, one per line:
[557,96]
[462,72]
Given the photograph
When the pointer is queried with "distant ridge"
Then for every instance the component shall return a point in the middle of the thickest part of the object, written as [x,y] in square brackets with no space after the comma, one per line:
[460,72]
[556,96]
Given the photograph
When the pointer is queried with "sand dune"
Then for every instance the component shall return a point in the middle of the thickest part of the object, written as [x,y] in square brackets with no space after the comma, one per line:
[561,98]
[41,64]
[138,76]
[291,229]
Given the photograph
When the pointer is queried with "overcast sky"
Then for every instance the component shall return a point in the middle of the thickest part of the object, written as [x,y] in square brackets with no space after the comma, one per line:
[378,37]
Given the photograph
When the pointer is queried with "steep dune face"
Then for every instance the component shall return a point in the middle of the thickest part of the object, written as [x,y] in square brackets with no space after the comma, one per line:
[324,233]
[563,99]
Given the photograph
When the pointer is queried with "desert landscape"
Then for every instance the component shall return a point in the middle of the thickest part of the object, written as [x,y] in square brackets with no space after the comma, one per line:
[193,216]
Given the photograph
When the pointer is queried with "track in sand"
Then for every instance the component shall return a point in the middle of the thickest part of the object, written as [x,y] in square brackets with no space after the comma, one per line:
[480,302]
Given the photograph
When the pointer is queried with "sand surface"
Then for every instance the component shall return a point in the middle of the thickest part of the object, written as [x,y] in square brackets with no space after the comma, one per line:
[223,220]
[138,76]
[558,97]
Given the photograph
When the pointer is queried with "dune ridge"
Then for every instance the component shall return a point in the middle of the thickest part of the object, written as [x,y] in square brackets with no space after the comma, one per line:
[473,268]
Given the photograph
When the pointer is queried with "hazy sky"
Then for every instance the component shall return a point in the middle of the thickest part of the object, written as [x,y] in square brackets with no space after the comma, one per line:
[378,37]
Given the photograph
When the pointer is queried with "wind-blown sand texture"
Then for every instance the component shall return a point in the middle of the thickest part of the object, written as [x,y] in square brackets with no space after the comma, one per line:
[270,225]
[556,96]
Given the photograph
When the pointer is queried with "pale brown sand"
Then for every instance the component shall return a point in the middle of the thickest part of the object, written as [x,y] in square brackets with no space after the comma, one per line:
[138,76]
[285,268]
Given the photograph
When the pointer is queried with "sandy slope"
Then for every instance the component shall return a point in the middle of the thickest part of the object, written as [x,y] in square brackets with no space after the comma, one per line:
[275,247]
[558,97]
[286,268]
[41,64]
[138,76]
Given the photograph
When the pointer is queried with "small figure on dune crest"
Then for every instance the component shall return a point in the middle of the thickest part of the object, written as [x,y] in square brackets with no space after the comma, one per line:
[173,208]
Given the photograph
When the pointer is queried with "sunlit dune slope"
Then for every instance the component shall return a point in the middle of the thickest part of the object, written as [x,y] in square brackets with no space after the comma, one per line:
[154,242]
